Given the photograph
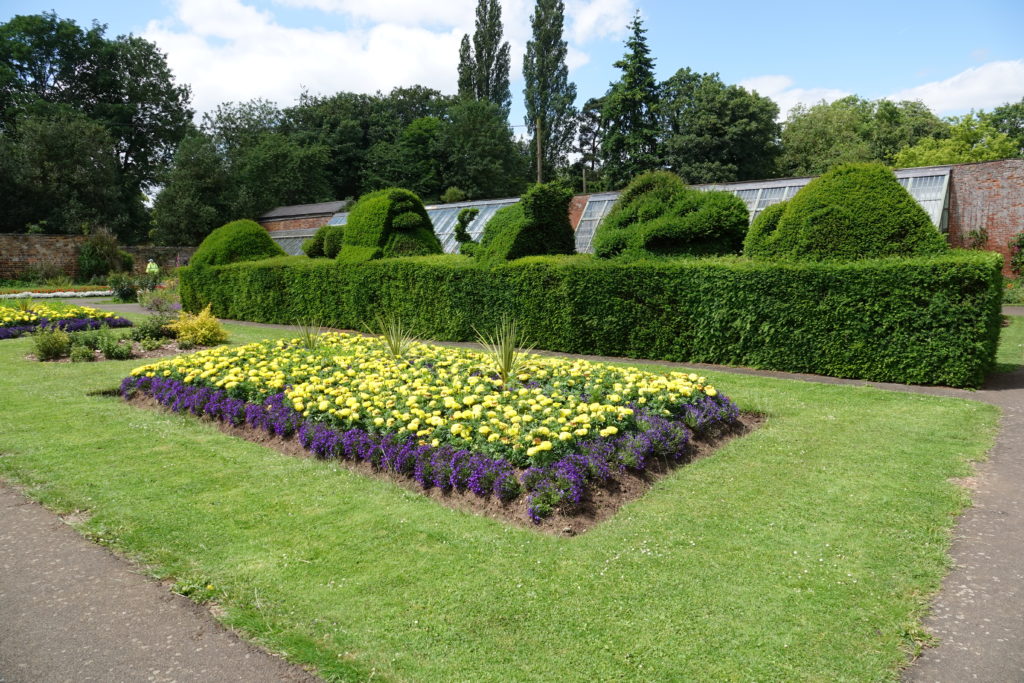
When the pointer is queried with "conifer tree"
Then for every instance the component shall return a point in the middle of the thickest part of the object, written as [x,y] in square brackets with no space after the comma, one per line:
[630,142]
[484,65]
[549,94]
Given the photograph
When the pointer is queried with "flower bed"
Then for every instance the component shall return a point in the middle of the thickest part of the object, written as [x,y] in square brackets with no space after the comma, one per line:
[443,417]
[15,322]
[53,293]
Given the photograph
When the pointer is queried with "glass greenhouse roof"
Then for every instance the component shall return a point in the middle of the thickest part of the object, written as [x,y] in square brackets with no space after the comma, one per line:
[445,216]
[598,206]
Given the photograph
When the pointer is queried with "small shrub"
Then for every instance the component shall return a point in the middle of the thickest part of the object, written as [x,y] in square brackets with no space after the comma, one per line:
[658,214]
[452,195]
[855,211]
[51,343]
[124,287]
[506,347]
[1017,253]
[82,354]
[151,343]
[117,349]
[198,330]
[93,339]
[396,334]
[242,240]
[314,246]
[333,236]
[152,327]
[162,299]
[99,255]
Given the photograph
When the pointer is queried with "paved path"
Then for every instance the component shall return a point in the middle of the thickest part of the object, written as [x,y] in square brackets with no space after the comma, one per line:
[76,633]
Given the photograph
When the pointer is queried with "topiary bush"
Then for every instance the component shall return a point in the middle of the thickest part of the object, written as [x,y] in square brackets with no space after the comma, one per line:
[314,246]
[855,211]
[537,225]
[242,240]
[334,236]
[658,214]
[385,224]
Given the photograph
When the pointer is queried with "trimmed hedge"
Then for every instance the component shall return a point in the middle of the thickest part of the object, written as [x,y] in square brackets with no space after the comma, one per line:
[933,320]
[385,224]
[657,214]
[855,211]
[538,224]
[242,240]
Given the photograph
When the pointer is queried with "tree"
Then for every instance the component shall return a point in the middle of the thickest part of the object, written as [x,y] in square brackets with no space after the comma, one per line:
[277,171]
[714,132]
[630,142]
[1009,119]
[590,133]
[548,92]
[972,138]
[484,67]
[415,162]
[195,196]
[483,158]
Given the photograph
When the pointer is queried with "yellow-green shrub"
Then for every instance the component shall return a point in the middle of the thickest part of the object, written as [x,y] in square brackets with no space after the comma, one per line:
[202,329]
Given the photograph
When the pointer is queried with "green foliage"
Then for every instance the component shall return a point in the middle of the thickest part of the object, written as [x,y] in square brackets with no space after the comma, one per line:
[658,214]
[202,329]
[99,255]
[465,218]
[415,161]
[971,138]
[713,132]
[396,335]
[93,340]
[333,236]
[548,94]
[483,156]
[537,224]
[629,145]
[928,320]
[759,241]
[1016,245]
[385,224]
[153,326]
[82,354]
[115,348]
[855,211]
[51,344]
[124,286]
[453,195]
[505,346]
[242,240]
[196,194]
[484,67]
[314,246]
[1009,120]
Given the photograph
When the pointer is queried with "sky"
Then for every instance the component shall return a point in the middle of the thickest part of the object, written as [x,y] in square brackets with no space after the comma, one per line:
[951,56]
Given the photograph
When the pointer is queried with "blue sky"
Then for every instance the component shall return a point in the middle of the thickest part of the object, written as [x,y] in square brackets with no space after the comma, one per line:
[952,57]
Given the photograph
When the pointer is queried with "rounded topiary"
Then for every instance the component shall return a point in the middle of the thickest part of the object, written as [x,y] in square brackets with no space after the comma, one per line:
[333,236]
[658,214]
[538,224]
[854,211]
[242,240]
[314,246]
[385,224]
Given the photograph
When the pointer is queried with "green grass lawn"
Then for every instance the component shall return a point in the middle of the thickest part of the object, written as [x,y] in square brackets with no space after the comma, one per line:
[806,550]
[1010,356]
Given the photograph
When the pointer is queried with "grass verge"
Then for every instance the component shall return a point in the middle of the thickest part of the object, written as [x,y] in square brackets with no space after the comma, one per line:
[806,550]
[1010,355]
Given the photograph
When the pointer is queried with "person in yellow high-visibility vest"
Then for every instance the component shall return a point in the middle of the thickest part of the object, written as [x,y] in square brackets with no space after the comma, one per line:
[152,268]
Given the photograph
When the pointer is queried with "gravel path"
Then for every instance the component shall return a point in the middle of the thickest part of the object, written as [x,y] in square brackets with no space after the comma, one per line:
[56,609]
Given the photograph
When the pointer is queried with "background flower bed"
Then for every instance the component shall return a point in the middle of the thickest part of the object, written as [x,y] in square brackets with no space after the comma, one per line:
[235,385]
[927,320]
[15,322]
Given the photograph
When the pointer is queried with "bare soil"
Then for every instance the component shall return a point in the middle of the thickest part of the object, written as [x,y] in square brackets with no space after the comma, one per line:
[599,503]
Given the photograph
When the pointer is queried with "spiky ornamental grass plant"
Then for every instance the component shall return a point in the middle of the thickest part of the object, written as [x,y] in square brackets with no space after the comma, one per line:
[397,337]
[309,334]
[506,346]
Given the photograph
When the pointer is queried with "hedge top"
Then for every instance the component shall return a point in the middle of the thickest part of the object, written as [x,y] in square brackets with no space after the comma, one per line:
[854,211]
[243,240]
[658,214]
[538,224]
[388,223]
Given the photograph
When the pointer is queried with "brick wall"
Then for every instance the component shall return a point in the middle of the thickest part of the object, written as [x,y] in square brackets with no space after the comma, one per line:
[305,223]
[20,253]
[990,196]
[576,207]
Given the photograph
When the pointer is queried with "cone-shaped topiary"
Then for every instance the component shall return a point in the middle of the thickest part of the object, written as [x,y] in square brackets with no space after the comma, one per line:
[855,211]
[537,225]
[658,214]
[384,224]
[242,240]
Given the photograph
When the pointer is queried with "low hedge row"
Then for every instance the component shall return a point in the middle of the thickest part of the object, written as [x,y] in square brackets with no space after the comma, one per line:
[928,320]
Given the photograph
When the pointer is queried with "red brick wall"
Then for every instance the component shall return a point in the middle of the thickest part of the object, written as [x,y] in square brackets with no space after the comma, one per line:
[297,223]
[576,207]
[20,252]
[987,195]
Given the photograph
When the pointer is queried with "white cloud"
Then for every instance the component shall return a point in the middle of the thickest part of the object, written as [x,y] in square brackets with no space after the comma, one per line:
[981,87]
[588,20]
[780,89]
[449,13]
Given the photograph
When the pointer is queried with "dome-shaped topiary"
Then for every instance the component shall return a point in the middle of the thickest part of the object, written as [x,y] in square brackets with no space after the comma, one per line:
[854,211]
[242,240]
[537,225]
[384,224]
[658,214]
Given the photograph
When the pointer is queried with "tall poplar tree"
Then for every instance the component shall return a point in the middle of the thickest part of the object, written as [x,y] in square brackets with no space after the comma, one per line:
[630,143]
[549,94]
[484,65]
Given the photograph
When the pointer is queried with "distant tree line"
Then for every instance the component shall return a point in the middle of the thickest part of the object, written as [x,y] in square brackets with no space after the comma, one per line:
[95,133]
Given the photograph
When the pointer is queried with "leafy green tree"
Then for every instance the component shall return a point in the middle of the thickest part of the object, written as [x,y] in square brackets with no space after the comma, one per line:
[971,138]
[277,171]
[484,66]
[549,94]
[590,133]
[630,142]
[483,158]
[415,162]
[1009,119]
[195,196]
[714,132]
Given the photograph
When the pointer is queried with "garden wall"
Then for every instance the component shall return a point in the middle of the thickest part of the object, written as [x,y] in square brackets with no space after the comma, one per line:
[987,196]
[20,252]
[922,321]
